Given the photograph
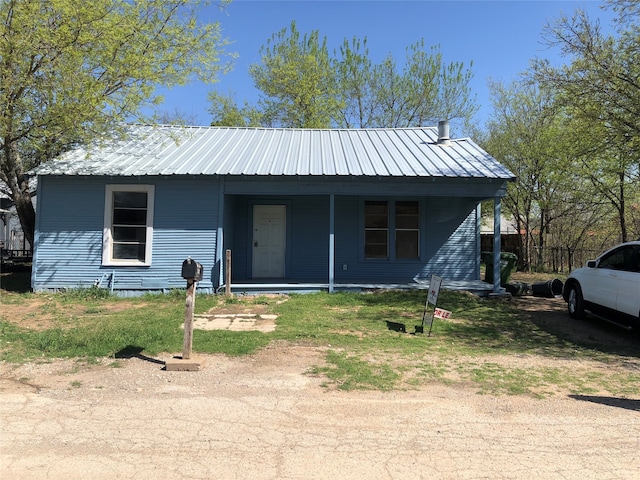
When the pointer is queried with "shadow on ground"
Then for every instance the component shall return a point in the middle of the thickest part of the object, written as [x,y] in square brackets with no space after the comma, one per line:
[15,278]
[625,403]
[133,351]
[550,315]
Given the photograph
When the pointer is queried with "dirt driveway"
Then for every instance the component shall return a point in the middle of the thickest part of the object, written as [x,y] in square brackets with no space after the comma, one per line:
[266,417]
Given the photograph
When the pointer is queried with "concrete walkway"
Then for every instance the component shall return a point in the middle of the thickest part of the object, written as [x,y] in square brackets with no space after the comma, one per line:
[237,322]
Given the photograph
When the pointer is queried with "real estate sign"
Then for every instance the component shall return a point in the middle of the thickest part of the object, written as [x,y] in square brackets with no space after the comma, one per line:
[434,289]
[432,299]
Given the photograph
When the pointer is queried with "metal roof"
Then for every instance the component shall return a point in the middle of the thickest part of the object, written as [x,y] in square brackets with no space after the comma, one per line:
[177,150]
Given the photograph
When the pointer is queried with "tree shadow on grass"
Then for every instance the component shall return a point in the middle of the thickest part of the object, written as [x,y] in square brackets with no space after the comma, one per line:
[16,278]
[551,318]
[534,325]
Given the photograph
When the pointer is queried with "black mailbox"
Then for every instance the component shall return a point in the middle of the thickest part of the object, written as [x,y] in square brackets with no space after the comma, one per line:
[191,269]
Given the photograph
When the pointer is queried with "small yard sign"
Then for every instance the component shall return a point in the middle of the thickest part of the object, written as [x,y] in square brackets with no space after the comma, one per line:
[434,289]
[432,299]
[441,313]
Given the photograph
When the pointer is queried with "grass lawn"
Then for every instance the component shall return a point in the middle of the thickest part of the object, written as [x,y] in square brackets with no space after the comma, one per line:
[370,339]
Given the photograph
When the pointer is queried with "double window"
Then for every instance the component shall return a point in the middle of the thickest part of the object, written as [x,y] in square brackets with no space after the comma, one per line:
[128,225]
[392,226]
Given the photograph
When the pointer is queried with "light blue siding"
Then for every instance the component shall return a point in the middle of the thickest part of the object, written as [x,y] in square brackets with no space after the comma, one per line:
[453,240]
[310,238]
[69,243]
[186,224]
[71,220]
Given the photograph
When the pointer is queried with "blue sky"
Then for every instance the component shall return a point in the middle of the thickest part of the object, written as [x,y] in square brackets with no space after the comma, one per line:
[500,37]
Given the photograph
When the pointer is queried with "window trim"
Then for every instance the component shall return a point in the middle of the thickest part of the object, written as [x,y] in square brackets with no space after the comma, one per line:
[107,238]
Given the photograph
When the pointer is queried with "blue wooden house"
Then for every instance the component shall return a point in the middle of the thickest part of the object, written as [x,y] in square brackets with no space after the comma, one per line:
[296,209]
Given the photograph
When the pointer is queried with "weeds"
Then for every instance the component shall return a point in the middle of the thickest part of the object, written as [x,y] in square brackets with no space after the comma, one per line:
[370,338]
[351,372]
[83,294]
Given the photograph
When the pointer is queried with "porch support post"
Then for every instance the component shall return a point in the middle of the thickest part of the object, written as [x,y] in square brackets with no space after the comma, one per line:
[497,213]
[36,242]
[332,260]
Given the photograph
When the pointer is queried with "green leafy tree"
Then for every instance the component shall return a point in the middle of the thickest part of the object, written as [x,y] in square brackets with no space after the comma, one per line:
[303,85]
[611,170]
[528,133]
[357,78]
[226,112]
[601,90]
[297,80]
[421,92]
[601,81]
[71,71]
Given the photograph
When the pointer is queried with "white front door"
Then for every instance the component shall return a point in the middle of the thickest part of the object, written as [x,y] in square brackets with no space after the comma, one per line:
[269,239]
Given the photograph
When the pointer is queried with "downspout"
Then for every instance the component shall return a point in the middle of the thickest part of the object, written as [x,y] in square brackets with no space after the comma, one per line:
[478,239]
[36,240]
[497,213]
[220,236]
[332,260]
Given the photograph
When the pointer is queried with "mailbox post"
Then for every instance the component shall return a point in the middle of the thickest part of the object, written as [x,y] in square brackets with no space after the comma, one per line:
[192,273]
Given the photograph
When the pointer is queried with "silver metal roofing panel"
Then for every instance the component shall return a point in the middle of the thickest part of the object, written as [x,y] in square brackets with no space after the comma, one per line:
[174,150]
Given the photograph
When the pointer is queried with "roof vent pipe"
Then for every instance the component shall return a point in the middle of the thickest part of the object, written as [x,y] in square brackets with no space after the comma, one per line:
[443,132]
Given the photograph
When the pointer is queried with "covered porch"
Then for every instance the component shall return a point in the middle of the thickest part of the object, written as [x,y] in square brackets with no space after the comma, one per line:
[322,245]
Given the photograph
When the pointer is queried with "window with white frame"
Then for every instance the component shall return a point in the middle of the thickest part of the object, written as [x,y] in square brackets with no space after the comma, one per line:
[128,225]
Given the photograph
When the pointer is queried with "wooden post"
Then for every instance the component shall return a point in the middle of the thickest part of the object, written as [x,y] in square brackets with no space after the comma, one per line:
[227,288]
[192,273]
[188,319]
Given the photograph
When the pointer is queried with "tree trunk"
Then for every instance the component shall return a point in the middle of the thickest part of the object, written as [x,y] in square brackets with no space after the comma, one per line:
[529,242]
[621,210]
[18,184]
[522,250]
[27,215]
[541,238]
